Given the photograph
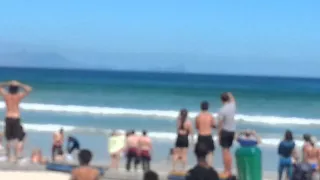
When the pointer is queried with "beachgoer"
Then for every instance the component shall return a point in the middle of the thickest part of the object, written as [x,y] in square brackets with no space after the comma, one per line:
[227,128]
[116,144]
[132,150]
[312,153]
[205,122]
[202,170]
[85,172]
[72,145]
[248,138]
[12,98]
[184,129]
[150,175]
[145,147]
[37,157]
[57,146]
[287,155]
[306,144]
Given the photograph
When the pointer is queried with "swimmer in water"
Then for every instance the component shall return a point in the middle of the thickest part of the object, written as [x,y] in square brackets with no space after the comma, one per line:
[57,146]
[145,147]
[205,122]
[12,97]
[184,129]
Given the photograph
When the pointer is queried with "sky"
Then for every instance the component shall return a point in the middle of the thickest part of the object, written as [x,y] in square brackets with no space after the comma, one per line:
[277,34]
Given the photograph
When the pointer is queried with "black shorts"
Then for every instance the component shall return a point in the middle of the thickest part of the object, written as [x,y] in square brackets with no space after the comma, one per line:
[226,138]
[13,128]
[208,141]
[182,141]
[57,149]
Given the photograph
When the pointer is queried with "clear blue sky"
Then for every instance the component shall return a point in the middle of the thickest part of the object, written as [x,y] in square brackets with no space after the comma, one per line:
[268,31]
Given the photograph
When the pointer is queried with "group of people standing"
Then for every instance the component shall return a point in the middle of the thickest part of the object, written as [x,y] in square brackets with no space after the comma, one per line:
[205,122]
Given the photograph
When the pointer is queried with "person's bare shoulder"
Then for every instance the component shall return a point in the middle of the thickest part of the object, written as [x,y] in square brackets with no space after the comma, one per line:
[74,172]
[96,172]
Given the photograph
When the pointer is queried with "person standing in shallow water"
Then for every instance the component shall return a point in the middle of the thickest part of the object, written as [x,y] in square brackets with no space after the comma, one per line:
[145,147]
[184,129]
[226,130]
[12,98]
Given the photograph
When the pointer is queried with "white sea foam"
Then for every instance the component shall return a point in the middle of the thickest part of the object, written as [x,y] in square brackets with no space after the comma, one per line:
[160,114]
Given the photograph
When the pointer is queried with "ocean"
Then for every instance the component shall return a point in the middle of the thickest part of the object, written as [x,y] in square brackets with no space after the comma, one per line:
[90,104]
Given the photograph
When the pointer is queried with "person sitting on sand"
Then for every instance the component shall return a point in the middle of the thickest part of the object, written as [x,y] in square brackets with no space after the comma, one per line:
[312,153]
[85,172]
[57,147]
[184,129]
[202,170]
[150,175]
[12,99]
[287,155]
[37,158]
[248,138]
[132,150]
[145,147]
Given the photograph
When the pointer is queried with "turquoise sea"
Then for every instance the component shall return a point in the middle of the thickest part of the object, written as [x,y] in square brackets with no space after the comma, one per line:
[90,104]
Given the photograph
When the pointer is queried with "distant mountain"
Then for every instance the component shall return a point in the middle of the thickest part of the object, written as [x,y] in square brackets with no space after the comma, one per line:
[36,59]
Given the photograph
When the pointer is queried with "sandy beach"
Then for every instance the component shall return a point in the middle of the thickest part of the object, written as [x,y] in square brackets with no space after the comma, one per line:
[33,175]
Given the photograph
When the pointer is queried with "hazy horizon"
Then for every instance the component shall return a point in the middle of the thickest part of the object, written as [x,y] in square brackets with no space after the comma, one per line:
[245,38]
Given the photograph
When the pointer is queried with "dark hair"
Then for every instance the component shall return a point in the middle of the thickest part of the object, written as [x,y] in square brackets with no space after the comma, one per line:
[61,130]
[183,117]
[225,97]
[204,105]
[150,175]
[144,132]
[133,132]
[85,156]
[13,89]
[288,135]
[201,150]
[307,137]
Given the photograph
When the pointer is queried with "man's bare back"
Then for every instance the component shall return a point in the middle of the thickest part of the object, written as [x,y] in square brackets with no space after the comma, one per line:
[133,141]
[204,123]
[85,173]
[58,139]
[13,97]
[145,143]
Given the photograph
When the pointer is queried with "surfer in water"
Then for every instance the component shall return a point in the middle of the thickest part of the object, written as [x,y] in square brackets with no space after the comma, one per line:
[204,123]
[57,147]
[145,147]
[132,147]
[12,98]
[184,129]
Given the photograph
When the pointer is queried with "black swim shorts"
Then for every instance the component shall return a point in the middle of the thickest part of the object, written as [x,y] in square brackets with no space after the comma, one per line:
[182,141]
[13,128]
[226,138]
[208,141]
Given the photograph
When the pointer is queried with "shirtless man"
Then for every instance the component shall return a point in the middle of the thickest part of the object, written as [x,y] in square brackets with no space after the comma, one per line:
[57,146]
[204,124]
[145,147]
[132,147]
[85,172]
[12,98]
[312,154]
[227,128]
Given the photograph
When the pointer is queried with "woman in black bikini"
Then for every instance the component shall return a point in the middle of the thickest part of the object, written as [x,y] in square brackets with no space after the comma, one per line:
[184,129]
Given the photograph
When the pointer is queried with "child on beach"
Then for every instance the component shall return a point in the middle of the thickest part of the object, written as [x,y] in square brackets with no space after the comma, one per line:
[248,138]
[37,158]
